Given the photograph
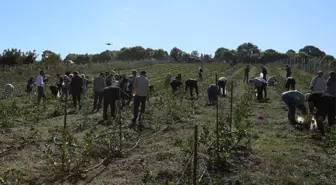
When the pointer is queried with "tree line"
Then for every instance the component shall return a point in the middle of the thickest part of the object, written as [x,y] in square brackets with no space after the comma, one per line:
[245,53]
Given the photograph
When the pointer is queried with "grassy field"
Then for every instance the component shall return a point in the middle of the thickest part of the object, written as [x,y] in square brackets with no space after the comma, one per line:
[270,151]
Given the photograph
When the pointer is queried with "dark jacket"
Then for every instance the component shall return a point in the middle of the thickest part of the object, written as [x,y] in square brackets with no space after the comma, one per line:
[76,85]
[113,93]
[331,86]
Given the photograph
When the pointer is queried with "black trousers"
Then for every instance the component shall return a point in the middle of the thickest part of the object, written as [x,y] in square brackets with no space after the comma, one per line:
[288,74]
[137,101]
[97,100]
[328,110]
[221,85]
[109,103]
[191,90]
[76,99]
[40,94]
[246,77]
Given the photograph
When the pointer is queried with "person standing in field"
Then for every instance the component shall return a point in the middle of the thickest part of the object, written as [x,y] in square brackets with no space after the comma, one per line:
[76,85]
[246,73]
[141,88]
[30,84]
[40,83]
[130,86]
[288,71]
[123,87]
[99,85]
[85,84]
[59,81]
[200,71]
[318,84]
[331,84]
[294,99]
[264,72]
[108,78]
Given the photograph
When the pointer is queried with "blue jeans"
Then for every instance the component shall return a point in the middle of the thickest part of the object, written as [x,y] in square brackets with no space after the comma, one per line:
[291,107]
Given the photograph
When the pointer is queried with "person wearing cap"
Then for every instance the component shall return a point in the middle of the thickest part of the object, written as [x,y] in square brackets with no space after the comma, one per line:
[294,99]
[318,84]
[141,88]
[325,105]
[290,83]
[331,84]
[76,85]
[221,82]
[260,84]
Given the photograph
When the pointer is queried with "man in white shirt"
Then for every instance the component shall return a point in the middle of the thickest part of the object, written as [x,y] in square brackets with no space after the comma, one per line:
[318,84]
[141,87]
[40,87]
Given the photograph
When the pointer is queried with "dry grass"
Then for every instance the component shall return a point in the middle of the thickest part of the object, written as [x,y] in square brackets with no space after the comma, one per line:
[158,154]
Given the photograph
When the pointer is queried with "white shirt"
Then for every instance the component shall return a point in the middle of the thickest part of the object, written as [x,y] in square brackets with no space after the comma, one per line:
[115,83]
[39,81]
[223,79]
[318,84]
[141,85]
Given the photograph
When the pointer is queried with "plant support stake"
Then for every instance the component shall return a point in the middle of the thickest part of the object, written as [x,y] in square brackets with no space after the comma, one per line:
[195,156]
[64,127]
[217,123]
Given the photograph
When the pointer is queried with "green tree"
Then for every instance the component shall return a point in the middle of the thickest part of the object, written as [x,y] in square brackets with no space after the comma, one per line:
[312,51]
[49,57]
[176,54]
[194,54]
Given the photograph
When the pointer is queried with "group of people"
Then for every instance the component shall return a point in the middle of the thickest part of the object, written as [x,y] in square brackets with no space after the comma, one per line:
[112,89]
[109,89]
[321,101]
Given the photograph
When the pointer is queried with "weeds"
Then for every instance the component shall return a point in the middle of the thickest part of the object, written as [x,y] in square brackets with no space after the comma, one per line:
[12,177]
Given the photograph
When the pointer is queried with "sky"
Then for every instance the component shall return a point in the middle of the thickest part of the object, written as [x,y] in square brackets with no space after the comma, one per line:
[84,26]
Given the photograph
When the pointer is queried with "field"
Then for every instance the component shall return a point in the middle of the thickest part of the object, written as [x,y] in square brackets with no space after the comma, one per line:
[35,148]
